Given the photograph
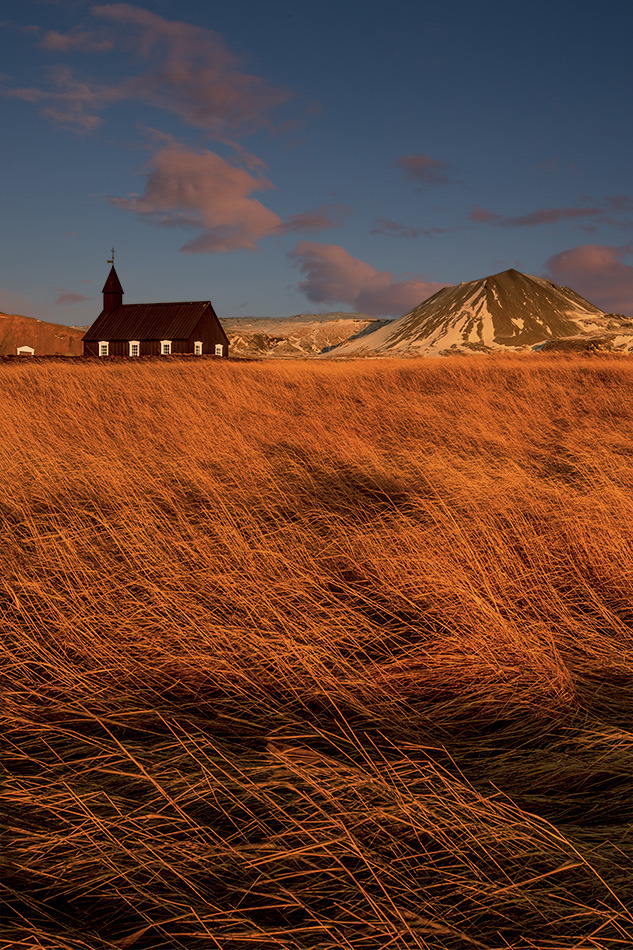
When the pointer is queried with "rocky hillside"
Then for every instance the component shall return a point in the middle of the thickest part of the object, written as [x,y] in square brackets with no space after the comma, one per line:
[306,334]
[506,310]
[47,339]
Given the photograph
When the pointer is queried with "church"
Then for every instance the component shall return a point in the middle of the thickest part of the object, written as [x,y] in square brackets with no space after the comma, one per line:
[153,329]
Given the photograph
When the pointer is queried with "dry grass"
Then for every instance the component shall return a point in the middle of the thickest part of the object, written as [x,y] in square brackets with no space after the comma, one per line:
[318,656]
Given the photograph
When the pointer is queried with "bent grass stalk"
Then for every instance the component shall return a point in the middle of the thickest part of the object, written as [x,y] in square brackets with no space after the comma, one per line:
[309,655]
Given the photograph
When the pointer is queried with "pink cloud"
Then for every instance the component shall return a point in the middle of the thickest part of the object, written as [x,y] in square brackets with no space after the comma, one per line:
[186,188]
[334,276]
[191,71]
[319,219]
[549,216]
[597,271]
[534,218]
[619,202]
[188,70]
[396,229]
[69,101]
[483,216]
[69,297]
[86,41]
[424,169]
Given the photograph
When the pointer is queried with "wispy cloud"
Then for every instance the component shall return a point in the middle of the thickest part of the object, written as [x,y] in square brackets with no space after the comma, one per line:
[188,70]
[619,202]
[332,275]
[482,216]
[87,41]
[199,189]
[397,229]
[69,101]
[318,219]
[69,296]
[587,216]
[394,229]
[534,218]
[599,272]
[425,170]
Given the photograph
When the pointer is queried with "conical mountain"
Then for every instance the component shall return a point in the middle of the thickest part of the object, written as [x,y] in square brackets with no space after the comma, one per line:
[506,310]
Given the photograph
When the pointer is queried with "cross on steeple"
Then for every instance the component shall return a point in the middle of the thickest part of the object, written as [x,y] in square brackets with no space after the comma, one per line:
[111,260]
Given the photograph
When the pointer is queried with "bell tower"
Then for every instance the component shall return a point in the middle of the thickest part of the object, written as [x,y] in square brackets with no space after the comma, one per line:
[112,290]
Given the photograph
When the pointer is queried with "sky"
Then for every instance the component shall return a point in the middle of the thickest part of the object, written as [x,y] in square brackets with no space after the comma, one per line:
[288,157]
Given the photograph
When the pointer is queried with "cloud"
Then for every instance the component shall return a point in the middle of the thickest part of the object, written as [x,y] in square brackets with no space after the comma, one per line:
[534,218]
[619,202]
[555,165]
[396,229]
[70,101]
[425,170]
[188,70]
[608,211]
[69,297]
[318,219]
[334,276]
[86,41]
[597,271]
[483,216]
[186,188]
[193,72]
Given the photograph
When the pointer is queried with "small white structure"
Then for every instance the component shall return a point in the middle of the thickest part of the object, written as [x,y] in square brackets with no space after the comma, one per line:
[26,351]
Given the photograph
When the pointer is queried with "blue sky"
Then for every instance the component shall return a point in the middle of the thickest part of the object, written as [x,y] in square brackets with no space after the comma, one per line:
[279,157]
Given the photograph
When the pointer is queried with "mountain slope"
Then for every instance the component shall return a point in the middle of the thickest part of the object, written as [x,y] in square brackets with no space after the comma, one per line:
[47,339]
[509,309]
[306,334]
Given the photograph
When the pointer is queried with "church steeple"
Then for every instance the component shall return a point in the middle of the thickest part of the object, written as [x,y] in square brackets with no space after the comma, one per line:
[112,290]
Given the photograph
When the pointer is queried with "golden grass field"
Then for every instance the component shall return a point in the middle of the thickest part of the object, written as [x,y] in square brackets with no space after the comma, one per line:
[316,655]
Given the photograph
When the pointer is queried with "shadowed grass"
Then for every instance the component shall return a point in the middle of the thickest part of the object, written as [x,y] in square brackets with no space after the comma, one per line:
[318,655]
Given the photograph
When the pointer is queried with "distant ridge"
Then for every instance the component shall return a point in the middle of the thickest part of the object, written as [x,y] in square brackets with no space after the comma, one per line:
[506,310]
[300,336]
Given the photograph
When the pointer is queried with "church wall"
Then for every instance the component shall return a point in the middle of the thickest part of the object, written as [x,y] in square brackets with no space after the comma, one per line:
[209,331]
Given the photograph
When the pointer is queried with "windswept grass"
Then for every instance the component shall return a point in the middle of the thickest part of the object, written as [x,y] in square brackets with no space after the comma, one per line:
[318,656]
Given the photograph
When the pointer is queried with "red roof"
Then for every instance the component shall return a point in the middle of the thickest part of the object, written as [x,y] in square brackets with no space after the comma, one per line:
[148,321]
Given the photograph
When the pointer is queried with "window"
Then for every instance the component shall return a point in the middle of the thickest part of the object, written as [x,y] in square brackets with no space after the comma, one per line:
[219,349]
[104,348]
[135,348]
[197,348]
[165,347]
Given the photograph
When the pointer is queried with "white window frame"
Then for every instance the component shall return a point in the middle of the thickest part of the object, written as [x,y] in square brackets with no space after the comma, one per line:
[132,344]
[165,347]
[197,348]
[219,349]
[104,347]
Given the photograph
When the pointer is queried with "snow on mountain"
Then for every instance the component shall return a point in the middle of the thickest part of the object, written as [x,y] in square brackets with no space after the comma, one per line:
[306,334]
[507,310]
